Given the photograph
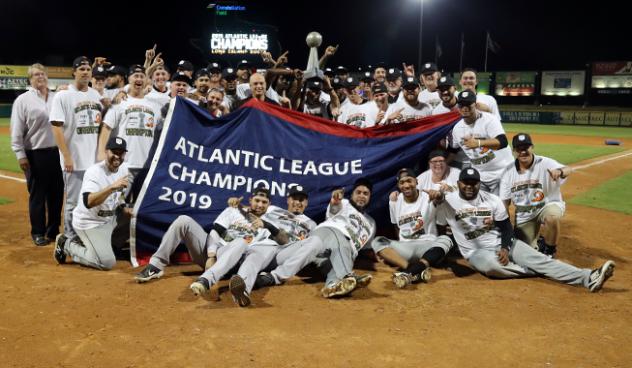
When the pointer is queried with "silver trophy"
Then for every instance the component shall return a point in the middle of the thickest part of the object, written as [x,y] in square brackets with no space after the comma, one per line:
[313,40]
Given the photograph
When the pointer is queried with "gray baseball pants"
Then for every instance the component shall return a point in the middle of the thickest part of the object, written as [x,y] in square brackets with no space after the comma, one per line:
[96,251]
[294,257]
[72,189]
[525,261]
[342,253]
[412,249]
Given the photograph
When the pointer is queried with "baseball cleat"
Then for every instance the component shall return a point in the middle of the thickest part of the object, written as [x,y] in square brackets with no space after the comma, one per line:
[200,286]
[59,252]
[599,276]
[362,280]
[237,287]
[402,279]
[149,273]
[339,288]
[264,279]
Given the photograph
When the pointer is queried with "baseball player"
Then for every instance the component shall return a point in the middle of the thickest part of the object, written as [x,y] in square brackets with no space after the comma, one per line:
[220,249]
[409,107]
[115,81]
[394,84]
[359,112]
[76,116]
[439,175]
[533,185]
[481,136]
[447,92]
[159,93]
[379,72]
[484,102]
[429,76]
[256,252]
[418,247]
[34,146]
[93,219]
[483,232]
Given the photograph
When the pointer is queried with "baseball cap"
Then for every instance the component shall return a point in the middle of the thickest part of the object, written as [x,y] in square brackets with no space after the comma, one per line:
[379,88]
[405,172]
[470,174]
[367,77]
[229,74]
[201,73]
[297,190]
[351,82]
[521,139]
[214,68]
[466,98]
[341,70]
[136,68]
[437,153]
[446,81]
[314,84]
[181,77]
[410,81]
[364,182]
[393,73]
[117,70]
[329,72]
[99,72]
[244,64]
[261,191]
[116,143]
[337,82]
[79,61]
[429,68]
[185,65]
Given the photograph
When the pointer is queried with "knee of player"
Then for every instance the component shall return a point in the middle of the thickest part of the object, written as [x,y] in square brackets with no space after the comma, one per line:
[107,264]
[552,220]
[183,219]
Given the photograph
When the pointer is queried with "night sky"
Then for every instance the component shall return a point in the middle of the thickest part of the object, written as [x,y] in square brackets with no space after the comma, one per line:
[533,35]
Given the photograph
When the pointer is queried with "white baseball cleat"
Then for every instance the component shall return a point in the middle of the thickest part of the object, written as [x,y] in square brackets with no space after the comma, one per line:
[599,276]
[339,288]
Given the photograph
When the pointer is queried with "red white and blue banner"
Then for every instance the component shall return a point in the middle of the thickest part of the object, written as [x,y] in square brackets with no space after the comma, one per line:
[202,161]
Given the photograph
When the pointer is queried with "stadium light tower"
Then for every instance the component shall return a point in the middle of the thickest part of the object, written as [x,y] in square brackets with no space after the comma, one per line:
[421,25]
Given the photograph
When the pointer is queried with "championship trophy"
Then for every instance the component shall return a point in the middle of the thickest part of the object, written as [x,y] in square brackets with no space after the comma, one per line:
[313,40]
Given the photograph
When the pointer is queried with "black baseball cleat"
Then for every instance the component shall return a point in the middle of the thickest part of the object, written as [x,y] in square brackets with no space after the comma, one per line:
[599,276]
[58,252]
[264,279]
[40,240]
[200,286]
[238,289]
[149,273]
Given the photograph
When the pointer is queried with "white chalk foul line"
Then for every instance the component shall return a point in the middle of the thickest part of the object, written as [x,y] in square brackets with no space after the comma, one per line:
[601,161]
[13,178]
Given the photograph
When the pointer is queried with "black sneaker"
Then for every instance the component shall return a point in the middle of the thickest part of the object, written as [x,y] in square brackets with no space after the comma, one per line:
[149,273]
[599,276]
[237,287]
[58,252]
[200,286]
[40,240]
[264,279]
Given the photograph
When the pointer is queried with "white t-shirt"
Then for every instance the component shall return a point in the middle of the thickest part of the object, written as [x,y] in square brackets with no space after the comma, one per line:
[297,226]
[111,93]
[238,227]
[488,162]
[80,113]
[409,112]
[424,180]
[361,116]
[429,98]
[243,92]
[533,189]
[441,109]
[414,220]
[136,120]
[97,178]
[472,222]
[491,102]
[358,227]
[158,98]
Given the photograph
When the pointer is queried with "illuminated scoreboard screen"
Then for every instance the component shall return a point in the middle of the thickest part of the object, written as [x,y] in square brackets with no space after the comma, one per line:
[239,43]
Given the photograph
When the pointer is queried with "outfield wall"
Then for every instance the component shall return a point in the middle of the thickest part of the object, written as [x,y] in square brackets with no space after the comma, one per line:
[596,118]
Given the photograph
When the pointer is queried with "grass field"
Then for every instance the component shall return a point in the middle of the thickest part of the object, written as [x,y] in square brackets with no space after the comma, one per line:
[584,131]
[7,157]
[5,122]
[609,195]
[4,201]
[570,153]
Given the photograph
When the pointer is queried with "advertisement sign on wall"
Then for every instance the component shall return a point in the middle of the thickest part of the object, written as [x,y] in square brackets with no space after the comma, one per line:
[563,83]
[515,83]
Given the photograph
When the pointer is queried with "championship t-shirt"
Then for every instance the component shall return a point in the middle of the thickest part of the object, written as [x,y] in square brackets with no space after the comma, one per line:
[533,189]
[96,178]
[429,98]
[297,226]
[424,180]
[419,111]
[239,227]
[415,220]
[361,116]
[80,113]
[358,227]
[135,119]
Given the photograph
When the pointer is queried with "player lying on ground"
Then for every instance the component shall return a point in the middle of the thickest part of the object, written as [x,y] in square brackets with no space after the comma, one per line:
[483,232]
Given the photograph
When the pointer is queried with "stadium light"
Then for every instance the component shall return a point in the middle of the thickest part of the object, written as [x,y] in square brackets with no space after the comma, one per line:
[421,25]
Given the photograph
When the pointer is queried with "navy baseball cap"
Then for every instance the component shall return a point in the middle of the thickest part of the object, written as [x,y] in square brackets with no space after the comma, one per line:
[79,61]
[446,81]
[99,72]
[136,68]
[116,143]
[521,140]
[315,84]
[367,77]
[297,190]
[181,77]
[437,153]
[405,172]
[117,70]
[185,65]
[244,64]
[393,73]
[363,182]
[341,70]
[410,82]
[379,88]
[201,73]
[261,191]
[466,98]
[429,68]
[214,68]
[469,174]
[351,82]
[229,74]
[337,82]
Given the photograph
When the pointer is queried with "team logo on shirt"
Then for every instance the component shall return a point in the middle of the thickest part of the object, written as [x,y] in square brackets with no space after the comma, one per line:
[538,196]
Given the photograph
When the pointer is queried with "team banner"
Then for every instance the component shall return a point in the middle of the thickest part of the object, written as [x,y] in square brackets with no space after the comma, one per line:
[200,162]
[515,83]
